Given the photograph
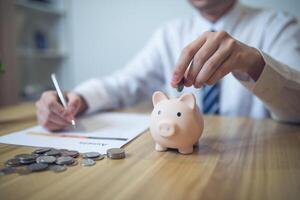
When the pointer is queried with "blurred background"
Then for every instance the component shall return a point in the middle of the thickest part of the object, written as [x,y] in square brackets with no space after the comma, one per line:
[79,39]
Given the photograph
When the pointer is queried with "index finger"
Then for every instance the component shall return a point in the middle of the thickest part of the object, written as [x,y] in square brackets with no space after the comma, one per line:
[185,59]
[51,101]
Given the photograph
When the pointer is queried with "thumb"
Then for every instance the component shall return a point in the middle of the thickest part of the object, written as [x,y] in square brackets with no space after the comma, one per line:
[73,103]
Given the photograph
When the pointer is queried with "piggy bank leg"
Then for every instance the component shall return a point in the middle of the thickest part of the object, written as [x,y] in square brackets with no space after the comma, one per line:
[186,150]
[160,148]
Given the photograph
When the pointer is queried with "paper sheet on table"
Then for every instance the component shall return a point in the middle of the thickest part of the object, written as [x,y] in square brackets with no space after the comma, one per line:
[92,133]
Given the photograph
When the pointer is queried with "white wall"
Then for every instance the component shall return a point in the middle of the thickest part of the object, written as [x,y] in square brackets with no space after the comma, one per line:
[105,34]
[291,6]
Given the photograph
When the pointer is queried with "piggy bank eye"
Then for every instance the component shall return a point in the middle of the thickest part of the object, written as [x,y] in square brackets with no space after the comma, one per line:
[159,112]
[178,114]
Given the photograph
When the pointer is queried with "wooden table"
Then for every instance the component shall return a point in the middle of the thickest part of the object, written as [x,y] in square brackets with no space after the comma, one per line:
[237,158]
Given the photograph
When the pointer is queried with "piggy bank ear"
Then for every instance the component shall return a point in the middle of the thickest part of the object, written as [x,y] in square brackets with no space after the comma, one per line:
[189,99]
[158,96]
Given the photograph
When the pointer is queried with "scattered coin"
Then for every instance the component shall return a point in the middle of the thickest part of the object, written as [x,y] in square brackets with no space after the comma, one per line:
[35,167]
[13,162]
[23,171]
[87,162]
[65,160]
[41,150]
[57,168]
[26,158]
[90,155]
[7,170]
[21,155]
[74,163]
[27,162]
[55,160]
[98,158]
[62,150]
[52,152]
[73,154]
[46,159]
[115,153]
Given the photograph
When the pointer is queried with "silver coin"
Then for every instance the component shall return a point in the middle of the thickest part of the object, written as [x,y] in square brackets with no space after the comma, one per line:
[57,168]
[46,159]
[73,154]
[41,150]
[35,167]
[87,162]
[65,160]
[8,170]
[115,153]
[27,162]
[62,150]
[21,155]
[52,152]
[74,163]
[23,171]
[98,158]
[12,162]
[90,155]
[26,157]
[180,85]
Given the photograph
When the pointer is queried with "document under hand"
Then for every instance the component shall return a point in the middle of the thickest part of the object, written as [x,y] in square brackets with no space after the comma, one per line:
[92,133]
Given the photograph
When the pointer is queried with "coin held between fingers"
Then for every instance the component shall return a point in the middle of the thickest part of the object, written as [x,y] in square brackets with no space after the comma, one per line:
[180,85]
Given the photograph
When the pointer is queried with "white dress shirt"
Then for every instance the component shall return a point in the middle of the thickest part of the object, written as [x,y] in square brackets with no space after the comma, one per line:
[276,93]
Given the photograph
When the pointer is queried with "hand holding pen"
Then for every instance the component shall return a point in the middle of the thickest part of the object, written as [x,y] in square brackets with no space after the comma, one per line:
[52,115]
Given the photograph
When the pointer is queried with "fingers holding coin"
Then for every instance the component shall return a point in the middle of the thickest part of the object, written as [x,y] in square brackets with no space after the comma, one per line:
[214,55]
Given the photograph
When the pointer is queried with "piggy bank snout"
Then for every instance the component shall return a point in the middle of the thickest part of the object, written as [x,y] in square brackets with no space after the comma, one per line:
[166,128]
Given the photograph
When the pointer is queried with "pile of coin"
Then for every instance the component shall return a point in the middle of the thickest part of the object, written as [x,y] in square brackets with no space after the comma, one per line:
[56,160]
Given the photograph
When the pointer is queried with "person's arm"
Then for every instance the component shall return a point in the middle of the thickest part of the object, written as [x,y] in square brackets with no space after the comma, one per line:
[279,88]
[278,85]
[137,81]
[215,54]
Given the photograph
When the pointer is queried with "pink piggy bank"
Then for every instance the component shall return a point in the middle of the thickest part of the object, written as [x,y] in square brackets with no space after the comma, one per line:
[176,122]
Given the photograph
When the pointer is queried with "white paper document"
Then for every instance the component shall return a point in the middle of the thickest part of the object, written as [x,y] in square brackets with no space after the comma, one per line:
[92,133]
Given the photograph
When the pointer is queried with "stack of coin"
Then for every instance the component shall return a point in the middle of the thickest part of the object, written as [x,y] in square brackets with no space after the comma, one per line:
[115,153]
[55,160]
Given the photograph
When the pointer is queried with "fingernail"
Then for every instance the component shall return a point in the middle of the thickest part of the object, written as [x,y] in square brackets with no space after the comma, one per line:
[175,78]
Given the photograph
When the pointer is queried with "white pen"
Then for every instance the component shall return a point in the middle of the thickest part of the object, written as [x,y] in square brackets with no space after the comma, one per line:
[60,94]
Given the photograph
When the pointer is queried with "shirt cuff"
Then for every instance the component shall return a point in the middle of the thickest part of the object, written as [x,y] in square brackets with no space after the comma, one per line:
[270,77]
[94,94]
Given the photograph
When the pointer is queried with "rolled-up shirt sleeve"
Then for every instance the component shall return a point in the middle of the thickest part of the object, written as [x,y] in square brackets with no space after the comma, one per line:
[279,83]
[279,88]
